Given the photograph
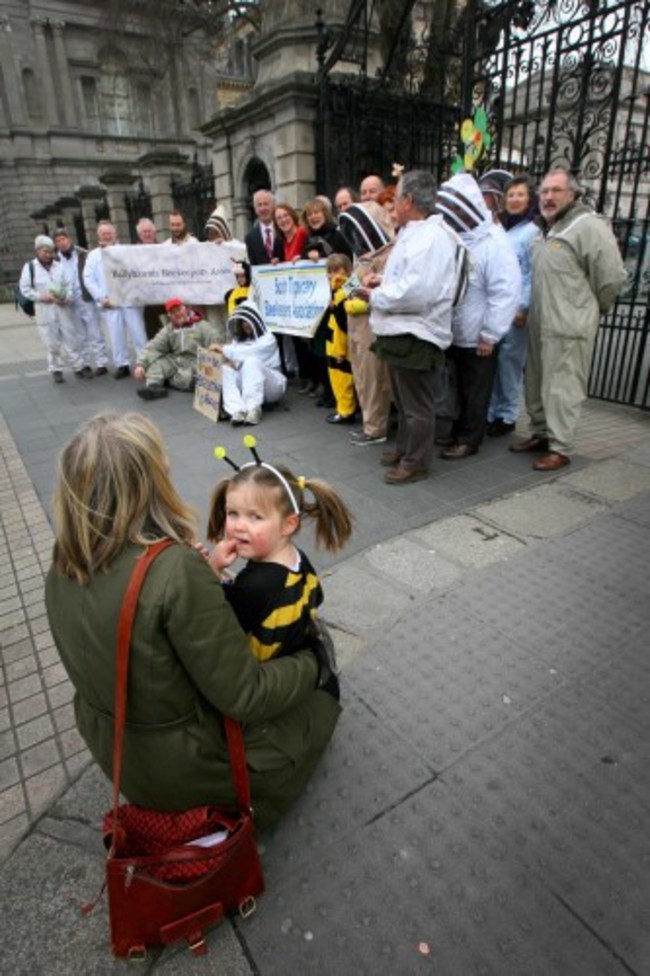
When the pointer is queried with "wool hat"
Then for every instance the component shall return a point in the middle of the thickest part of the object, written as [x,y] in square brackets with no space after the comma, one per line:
[217,221]
[42,240]
[173,303]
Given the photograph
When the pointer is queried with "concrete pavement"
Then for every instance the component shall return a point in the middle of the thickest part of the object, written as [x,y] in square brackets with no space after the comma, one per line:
[484,805]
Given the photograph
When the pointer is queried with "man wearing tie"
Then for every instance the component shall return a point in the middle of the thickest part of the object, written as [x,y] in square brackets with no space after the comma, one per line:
[263,243]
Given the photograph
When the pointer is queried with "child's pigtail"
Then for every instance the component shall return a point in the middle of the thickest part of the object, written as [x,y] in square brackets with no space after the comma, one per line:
[330,513]
[217,519]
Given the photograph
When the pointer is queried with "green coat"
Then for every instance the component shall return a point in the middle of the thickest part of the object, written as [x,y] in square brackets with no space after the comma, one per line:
[189,662]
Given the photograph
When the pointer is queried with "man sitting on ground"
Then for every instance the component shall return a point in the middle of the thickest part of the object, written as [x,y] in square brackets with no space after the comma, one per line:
[169,359]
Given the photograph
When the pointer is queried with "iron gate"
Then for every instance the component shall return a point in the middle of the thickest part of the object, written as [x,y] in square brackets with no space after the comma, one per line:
[558,83]
[195,197]
[565,86]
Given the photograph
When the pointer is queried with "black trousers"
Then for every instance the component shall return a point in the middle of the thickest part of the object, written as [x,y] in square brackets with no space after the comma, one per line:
[475,377]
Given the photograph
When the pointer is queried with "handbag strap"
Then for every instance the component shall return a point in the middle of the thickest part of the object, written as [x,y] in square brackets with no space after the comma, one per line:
[124,630]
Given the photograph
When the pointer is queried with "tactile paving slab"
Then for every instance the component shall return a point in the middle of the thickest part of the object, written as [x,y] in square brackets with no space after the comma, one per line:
[430,888]
[569,789]
[446,683]
[636,509]
[569,604]
[367,769]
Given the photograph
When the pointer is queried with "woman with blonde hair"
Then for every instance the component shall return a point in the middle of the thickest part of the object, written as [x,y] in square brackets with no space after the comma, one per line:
[189,661]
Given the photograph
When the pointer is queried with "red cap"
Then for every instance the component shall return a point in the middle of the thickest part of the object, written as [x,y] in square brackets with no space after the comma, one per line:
[173,303]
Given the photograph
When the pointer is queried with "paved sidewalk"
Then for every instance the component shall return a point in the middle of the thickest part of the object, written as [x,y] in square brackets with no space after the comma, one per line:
[484,805]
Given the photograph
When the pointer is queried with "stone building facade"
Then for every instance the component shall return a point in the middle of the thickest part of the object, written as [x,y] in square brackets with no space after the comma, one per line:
[81,126]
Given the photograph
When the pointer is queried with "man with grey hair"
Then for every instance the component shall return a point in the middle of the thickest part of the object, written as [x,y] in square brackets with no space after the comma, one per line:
[577,274]
[120,322]
[411,306]
[263,244]
[146,231]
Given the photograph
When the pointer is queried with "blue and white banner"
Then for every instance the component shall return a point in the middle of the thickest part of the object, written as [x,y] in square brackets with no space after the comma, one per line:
[292,297]
[150,274]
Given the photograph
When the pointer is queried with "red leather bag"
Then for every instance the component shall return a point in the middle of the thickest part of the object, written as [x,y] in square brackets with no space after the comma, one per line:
[162,887]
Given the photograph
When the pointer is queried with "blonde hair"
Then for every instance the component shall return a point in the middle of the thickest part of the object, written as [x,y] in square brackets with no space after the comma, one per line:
[329,511]
[113,489]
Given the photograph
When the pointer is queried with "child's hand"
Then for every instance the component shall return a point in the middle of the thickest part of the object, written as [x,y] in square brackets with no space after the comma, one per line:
[224,554]
[202,549]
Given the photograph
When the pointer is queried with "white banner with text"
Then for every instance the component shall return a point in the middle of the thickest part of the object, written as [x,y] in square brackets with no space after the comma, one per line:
[292,297]
[151,274]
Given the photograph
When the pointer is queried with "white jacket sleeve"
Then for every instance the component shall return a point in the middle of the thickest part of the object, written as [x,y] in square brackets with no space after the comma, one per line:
[502,290]
[93,275]
[25,283]
[410,271]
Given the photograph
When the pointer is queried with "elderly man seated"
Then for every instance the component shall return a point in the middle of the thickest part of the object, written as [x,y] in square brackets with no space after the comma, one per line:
[169,359]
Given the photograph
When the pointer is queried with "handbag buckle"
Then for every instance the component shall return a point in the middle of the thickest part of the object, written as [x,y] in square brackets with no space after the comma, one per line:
[197,944]
[137,953]
[247,906]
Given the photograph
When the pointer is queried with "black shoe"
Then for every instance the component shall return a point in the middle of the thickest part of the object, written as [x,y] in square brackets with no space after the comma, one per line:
[339,418]
[121,372]
[499,428]
[152,393]
[101,371]
[85,373]
[57,376]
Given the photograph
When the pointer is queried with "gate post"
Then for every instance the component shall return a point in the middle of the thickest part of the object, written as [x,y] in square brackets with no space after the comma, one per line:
[118,183]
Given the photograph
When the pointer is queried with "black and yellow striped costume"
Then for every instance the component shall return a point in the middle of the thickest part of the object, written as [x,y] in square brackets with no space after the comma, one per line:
[274,605]
[338,360]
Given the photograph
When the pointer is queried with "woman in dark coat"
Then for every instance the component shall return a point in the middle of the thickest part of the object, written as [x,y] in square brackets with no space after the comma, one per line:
[190,662]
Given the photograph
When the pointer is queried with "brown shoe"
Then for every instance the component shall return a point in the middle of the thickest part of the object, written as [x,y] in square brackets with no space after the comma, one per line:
[445,441]
[389,459]
[531,444]
[552,461]
[403,476]
[458,451]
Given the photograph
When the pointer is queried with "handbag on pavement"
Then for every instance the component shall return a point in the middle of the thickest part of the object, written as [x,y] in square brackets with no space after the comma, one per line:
[172,875]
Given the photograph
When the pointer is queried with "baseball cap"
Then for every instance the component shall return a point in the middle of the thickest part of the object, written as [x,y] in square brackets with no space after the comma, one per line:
[173,303]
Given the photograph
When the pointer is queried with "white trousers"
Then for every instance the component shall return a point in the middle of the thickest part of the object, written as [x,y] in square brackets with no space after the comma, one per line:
[123,322]
[251,386]
[58,333]
[90,338]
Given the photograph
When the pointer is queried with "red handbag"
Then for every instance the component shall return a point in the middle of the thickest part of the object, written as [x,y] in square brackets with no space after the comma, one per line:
[165,881]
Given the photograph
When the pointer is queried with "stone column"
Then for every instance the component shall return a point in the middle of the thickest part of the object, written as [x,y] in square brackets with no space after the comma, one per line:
[69,207]
[158,167]
[47,80]
[12,81]
[90,195]
[63,72]
[118,182]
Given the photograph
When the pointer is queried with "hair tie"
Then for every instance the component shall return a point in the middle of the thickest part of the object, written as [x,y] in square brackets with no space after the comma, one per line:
[300,481]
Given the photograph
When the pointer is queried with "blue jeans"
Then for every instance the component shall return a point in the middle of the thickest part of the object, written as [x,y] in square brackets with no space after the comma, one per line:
[509,379]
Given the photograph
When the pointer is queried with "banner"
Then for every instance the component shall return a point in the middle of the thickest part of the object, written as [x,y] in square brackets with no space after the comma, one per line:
[150,274]
[207,393]
[292,297]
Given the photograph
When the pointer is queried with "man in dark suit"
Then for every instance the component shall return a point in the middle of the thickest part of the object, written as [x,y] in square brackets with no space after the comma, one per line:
[263,243]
